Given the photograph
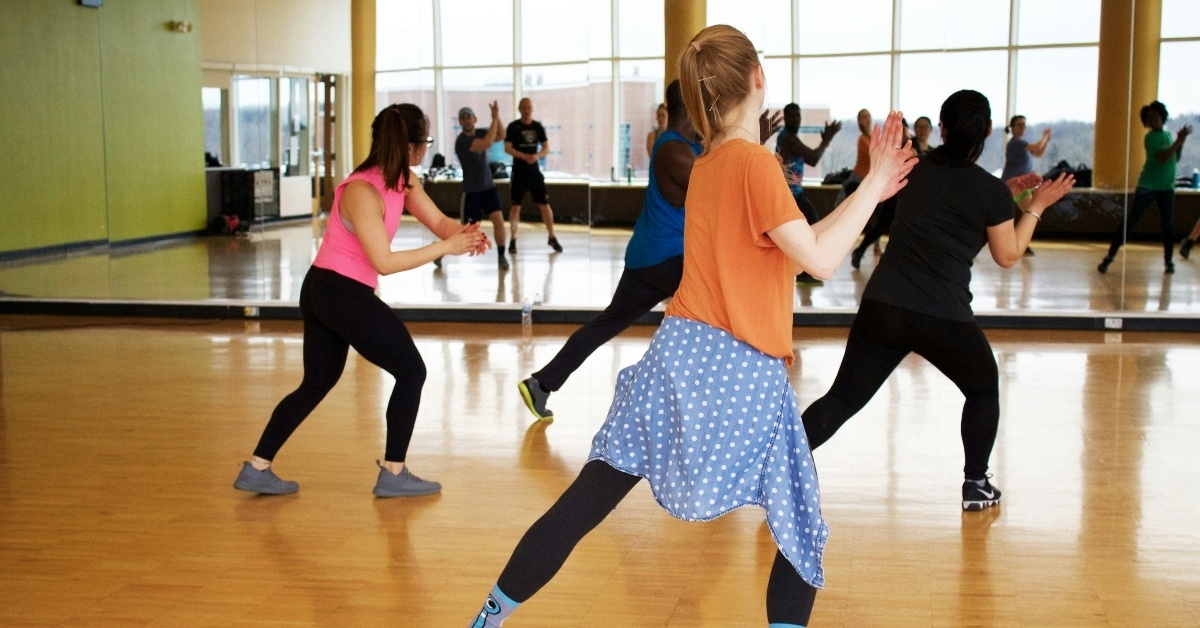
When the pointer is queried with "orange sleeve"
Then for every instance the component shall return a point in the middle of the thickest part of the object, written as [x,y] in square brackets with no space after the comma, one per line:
[768,198]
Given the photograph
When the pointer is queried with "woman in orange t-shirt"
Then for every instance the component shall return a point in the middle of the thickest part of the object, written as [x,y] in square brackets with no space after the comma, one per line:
[708,417]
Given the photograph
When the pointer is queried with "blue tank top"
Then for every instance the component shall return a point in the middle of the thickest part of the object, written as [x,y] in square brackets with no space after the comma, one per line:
[658,233]
[795,166]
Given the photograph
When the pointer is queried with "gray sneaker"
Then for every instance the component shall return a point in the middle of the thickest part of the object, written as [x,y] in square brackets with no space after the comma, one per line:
[535,399]
[404,485]
[263,482]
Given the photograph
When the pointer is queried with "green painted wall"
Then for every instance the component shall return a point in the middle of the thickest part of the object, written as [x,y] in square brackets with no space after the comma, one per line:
[102,129]
[51,126]
[153,118]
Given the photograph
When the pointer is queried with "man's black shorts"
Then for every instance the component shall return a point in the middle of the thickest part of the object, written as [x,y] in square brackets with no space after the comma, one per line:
[535,184]
[478,205]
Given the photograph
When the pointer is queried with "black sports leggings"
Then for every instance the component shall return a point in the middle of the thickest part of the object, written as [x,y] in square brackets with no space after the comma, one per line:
[880,337]
[589,499]
[340,313]
[638,291]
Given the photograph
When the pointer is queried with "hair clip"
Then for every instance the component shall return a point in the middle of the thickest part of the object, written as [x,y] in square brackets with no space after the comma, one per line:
[714,103]
[706,78]
[696,46]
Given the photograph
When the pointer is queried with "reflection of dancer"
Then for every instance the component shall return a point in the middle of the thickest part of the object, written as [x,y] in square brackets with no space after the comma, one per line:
[660,116]
[1155,185]
[1019,154]
[340,307]
[653,259]
[726,343]
[918,299]
[795,154]
[521,140]
[479,191]
[884,215]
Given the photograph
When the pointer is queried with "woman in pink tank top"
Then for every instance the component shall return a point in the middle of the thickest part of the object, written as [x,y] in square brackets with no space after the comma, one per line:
[341,310]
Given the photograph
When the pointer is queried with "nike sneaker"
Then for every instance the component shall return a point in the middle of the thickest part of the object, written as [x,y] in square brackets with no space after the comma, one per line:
[977,497]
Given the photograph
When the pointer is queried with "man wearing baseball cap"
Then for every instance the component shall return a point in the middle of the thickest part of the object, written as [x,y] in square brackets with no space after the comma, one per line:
[479,191]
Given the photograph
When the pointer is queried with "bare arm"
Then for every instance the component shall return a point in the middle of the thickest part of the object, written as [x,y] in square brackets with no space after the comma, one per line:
[672,169]
[820,248]
[362,206]
[494,133]
[1038,148]
[1176,148]
[650,143]
[1008,240]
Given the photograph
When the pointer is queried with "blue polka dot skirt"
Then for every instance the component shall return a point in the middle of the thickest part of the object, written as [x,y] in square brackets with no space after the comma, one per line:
[713,424]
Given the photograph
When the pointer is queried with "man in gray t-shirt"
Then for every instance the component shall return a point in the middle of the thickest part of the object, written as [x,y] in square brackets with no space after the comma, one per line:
[479,191]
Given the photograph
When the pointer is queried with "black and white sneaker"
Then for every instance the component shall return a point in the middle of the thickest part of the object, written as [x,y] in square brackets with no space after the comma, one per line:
[535,399]
[976,497]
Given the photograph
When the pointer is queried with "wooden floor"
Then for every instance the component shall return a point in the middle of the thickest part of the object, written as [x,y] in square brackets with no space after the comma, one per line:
[119,441]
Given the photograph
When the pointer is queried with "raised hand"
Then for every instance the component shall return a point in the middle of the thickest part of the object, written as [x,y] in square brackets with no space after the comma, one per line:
[891,153]
[1049,192]
[831,129]
[1185,131]
[769,124]
[494,106]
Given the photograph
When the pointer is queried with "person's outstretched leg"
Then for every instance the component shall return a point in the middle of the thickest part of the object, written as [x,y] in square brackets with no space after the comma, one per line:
[874,349]
[789,598]
[324,359]
[1141,201]
[638,291]
[547,544]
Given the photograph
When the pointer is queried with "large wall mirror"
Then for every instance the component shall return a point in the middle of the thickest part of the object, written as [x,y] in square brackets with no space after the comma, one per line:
[595,73]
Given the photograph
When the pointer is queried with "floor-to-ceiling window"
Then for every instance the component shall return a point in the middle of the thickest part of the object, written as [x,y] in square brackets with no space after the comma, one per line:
[594,69]
[1179,74]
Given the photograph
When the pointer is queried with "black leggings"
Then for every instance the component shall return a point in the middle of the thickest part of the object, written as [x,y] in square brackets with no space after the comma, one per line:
[340,313]
[589,499]
[885,213]
[638,291]
[881,336]
[1142,198]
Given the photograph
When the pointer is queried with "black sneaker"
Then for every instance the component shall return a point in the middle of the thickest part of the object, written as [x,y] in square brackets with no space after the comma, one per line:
[806,279]
[977,497]
[1185,249]
[535,399]
[1169,268]
[437,262]
[502,262]
[1103,267]
[553,242]
[512,246]
[856,258]
[1028,252]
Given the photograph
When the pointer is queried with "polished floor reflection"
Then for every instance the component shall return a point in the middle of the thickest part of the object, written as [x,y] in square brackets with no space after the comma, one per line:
[268,265]
[119,441]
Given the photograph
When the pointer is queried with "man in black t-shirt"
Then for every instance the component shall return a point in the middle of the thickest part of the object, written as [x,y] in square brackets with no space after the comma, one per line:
[525,139]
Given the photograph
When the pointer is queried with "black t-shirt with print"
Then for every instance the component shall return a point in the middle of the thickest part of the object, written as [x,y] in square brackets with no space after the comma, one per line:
[525,138]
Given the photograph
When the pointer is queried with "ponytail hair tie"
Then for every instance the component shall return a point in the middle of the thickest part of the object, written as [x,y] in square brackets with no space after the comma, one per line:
[696,46]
